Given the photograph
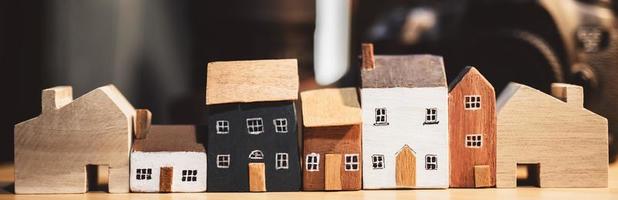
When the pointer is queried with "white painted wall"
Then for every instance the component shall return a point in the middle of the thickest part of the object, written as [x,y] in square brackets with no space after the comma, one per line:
[406,114]
[178,160]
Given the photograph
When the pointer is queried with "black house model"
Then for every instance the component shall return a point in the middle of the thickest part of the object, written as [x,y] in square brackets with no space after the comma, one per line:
[252,130]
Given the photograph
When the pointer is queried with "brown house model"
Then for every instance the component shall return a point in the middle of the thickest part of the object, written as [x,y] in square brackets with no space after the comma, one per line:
[565,144]
[472,130]
[53,149]
[332,139]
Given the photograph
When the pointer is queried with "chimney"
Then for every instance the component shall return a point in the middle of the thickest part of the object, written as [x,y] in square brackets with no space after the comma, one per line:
[571,94]
[55,98]
[143,119]
[367,56]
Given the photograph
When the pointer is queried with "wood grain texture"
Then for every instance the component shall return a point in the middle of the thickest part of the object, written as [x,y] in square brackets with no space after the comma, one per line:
[465,122]
[405,168]
[332,171]
[251,81]
[332,140]
[407,71]
[165,182]
[143,121]
[330,107]
[368,61]
[170,138]
[257,178]
[569,142]
[53,149]
[483,176]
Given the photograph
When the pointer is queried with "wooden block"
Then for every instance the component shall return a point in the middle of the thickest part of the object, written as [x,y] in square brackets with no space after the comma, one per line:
[405,168]
[257,179]
[367,56]
[482,176]
[143,119]
[332,174]
[330,107]
[569,141]
[165,179]
[53,149]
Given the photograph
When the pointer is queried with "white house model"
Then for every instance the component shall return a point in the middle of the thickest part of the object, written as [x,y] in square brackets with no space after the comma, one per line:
[405,122]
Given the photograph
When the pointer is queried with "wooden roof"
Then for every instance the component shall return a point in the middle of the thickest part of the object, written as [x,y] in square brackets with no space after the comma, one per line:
[468,71]
[169,138]
[405,71]
[330,107]
[251,81]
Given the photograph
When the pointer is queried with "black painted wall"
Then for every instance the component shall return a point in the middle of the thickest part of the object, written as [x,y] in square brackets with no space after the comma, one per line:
[239,144]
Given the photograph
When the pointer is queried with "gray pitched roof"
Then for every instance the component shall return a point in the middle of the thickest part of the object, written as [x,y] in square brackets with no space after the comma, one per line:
[405,71]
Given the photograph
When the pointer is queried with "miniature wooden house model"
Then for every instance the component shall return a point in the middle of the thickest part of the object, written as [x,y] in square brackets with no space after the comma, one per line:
[167,158]
[331,139]
[405,121]
[472,130]
[565,144]
[53,149]
[252,128]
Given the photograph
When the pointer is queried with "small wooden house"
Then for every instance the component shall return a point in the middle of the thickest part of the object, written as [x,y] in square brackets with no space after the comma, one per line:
[53,150]
[167,158]
[555,138]
[405,121]
[252,126]
[331,139]
[472,130]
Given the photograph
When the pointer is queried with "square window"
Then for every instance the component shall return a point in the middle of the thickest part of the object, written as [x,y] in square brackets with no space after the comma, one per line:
[351,162]
[281,125]
[474,141]
[431,116]
[431,162]
[143,174]
[377,161]
[472,102]
[255,126]
[223,161]
[281,161]
[189,175]
[223,127]
[313,162]
[381,119]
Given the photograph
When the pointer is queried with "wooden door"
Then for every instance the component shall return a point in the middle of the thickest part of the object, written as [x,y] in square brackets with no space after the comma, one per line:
[332,173]
[405,168]
[165,179]
[482,176]
[257,177]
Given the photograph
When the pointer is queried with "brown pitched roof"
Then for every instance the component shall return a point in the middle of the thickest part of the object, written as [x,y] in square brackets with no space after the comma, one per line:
[251,81]
[405,71]
[464,72]
[169,138]
[330,107]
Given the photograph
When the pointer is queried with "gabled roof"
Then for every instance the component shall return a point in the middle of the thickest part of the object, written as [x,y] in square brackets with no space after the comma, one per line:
[469,70]
[330,107]
[405,71]
[251,81]
[169,138]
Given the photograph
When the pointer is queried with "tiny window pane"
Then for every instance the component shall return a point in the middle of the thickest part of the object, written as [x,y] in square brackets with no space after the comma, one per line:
[351,162]
[381,118]
[143,174]
[474,141]
[431,162]
[312,162]
[431,116]
[189,175]
[281,161]
[223,127]
[281,125]
[256,155]
[378,161]
[472,102]
[255,126]
[223,161]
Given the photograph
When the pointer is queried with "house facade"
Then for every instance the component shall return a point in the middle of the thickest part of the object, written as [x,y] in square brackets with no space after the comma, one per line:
[332,157]
[472,130]
[252,126]
[168,159]
[405,122]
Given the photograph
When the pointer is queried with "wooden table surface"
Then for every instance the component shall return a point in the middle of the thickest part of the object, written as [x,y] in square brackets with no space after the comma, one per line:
[6,182]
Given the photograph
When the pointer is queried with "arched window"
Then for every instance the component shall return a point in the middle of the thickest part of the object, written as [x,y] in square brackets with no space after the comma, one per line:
[256,155]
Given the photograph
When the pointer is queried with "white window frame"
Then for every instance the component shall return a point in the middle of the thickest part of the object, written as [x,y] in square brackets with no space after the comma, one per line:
[282,161]
[144,174]
[189,175]
[223,124]
[351,164]
[312,162]
[377,160]
[379,115]
[474,141]
[252,128]
[256,155]
[432,114]
[283,125]
[433,161]
[472,102]
[226,159]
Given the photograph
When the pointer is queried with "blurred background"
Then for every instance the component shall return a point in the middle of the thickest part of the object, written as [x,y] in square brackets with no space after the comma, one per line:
[156,51]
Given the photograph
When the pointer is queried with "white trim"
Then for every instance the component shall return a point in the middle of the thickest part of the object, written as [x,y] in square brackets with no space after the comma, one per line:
[283,125]
[257,128]
[474,141]
[282,161]
[256,155]
[472,102]
[222,124]
[377,161]
[351,164]
[225,158]
[314,162]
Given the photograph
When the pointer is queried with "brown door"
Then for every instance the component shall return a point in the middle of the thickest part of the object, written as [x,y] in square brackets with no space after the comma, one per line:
[332,173]
[405,168]
[257,178]
[482,176]
[165,179]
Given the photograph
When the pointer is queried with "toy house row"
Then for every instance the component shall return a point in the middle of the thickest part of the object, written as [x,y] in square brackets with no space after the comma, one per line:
[404,128]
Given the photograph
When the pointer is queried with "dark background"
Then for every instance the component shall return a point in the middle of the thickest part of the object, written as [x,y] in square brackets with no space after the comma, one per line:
[156,51]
